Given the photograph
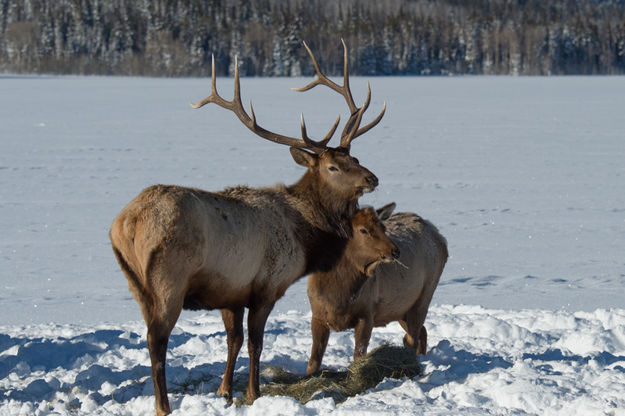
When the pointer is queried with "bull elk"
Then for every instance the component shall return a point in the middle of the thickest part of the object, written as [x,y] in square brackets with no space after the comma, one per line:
[361,292]
[185,248]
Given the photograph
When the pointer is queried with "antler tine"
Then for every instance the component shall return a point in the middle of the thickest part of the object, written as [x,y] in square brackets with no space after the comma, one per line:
[321,144]
[320,75]
[352,130]
[213,74]
[369,126]
[322,79]
[252,115]
[354,121]
[214,97]
[326,139]
[349,98]
[349,135]
[237,84]
[352,127]
[236,106]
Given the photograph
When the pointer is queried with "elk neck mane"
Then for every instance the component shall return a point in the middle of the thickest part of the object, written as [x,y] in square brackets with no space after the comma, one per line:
[328,220]
[323,208]
[342,285]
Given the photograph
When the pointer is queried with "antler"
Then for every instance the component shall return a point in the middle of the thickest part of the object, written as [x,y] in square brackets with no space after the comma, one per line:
[352,127]
[250,121]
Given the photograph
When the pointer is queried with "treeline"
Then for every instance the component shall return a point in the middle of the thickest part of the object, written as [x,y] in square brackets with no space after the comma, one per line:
[386,37]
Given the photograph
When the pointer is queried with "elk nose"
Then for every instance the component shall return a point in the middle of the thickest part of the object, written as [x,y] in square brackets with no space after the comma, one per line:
[396,253]
[372,180]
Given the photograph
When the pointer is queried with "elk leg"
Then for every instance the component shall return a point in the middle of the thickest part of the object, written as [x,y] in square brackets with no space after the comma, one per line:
[233,322]
[419,312]
[416,335]
[159,329]
[256,319]
[320,335]
[417,339]
[409,340]
[362,335]
[422,342]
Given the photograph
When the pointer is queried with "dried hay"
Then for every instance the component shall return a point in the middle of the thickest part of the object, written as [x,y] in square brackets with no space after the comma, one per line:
[363,374]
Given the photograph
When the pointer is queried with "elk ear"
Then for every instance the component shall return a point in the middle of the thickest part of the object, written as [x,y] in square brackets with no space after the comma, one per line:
[303,157]
[385,212]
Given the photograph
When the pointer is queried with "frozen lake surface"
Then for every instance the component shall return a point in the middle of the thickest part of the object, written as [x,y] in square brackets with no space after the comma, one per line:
[523,176]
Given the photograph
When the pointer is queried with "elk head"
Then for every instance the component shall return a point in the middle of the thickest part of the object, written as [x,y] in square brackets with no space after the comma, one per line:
[337,171]
[333,168]
[370,245]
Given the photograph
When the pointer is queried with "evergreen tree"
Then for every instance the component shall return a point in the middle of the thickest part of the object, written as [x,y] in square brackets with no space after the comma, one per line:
[177,37]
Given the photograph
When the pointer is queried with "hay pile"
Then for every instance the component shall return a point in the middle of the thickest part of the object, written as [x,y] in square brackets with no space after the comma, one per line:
[362,374]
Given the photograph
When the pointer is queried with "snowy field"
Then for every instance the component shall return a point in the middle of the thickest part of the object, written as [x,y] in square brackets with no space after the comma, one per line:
[524,176]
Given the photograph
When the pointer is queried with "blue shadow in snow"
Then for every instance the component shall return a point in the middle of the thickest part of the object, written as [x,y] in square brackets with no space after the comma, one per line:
[461,364]
[604,358]
[479,282]
[46,354]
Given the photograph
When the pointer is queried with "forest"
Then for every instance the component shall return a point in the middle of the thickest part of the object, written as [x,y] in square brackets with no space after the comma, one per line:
[385,37]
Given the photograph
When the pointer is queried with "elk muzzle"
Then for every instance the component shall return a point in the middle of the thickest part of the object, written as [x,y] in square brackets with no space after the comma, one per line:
[396,253]
[371,183]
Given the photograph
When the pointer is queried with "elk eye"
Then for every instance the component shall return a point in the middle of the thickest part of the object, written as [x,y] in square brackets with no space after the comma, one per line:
[363,231]
[333,169]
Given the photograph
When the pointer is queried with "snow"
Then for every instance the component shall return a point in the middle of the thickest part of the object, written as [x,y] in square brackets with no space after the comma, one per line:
[524,177]
[481,361]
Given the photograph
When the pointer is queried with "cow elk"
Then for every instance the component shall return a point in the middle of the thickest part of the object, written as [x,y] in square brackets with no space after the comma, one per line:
[362,292]
[185,248]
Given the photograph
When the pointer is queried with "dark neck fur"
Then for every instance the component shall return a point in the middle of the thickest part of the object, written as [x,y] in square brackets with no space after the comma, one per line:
[341,286]
[328,223]
[329,212]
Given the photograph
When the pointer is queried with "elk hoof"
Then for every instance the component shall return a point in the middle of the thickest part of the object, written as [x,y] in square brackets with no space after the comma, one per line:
[251,397]
[225,394]
[311,369]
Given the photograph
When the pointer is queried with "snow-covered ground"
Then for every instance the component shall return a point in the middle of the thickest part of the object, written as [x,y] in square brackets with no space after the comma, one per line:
[524,176]
[482,361]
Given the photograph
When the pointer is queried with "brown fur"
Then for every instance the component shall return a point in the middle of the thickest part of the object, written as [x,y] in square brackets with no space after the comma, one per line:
[238,248]
[347,297]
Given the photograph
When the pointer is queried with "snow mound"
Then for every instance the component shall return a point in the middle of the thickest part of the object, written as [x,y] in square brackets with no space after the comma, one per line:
[480,361]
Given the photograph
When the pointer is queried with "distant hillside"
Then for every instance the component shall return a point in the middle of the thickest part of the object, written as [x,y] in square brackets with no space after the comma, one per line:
[386,37]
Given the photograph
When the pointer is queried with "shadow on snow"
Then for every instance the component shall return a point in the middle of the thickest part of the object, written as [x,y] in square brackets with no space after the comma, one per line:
[35,357]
